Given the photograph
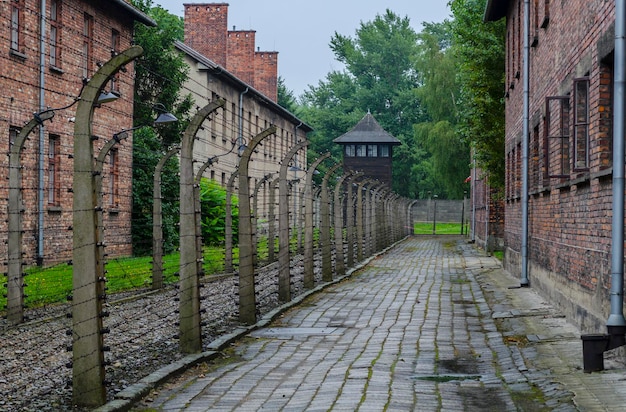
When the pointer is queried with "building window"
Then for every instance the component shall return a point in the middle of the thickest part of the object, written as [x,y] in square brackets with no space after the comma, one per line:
[54,183]
[372,150]
[383,150]
[55,33]
[581,124]
[556,142]
[115,49]
[113,178]
[350,150]
[360,150]
[534,172]
[604,136]
[87,45]
[17,24]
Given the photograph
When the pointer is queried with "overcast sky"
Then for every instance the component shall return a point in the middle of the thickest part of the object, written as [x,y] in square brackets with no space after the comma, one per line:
[300,30]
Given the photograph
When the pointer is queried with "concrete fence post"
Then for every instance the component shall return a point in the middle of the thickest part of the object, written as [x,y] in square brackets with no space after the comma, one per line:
[327,269]
[271,222]
[247,298]
[340,265]
[255,212]
[157,220]
[309,279]
[190,330]
[15,277]
[88,290]
[228,223]
[284,275]
[198,203]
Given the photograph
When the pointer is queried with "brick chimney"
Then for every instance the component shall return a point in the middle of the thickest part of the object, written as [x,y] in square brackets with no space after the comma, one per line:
[266,73]
[206,29]
[240,55]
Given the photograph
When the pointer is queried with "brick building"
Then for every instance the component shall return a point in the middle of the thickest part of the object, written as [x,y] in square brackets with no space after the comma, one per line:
[571,48]
[45,57]
[224,64]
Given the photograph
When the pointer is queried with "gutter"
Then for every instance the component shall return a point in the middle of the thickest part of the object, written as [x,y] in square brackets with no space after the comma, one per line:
[42,137]
[240,147]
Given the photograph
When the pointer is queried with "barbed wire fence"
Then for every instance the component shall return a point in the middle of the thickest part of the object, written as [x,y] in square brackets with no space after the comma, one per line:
[128,335]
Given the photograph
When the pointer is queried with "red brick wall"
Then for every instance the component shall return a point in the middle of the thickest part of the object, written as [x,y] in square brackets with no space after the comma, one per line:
[20,81]
[569,217]
[206,27]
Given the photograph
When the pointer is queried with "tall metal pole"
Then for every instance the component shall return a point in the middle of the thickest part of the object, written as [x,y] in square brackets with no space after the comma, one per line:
[525,75]
[616,322]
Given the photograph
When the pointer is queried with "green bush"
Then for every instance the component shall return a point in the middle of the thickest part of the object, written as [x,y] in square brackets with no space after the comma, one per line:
[213,206]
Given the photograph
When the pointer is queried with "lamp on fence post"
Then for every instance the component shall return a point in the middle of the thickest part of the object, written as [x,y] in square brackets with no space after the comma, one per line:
[88,290]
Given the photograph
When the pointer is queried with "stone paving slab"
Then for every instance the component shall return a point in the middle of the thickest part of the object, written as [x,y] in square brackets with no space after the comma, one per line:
[430,325]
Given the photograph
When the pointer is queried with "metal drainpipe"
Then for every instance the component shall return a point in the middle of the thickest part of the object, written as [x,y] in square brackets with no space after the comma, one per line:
[594,345]
[616,319]
[526,75]
[240,134]
[42,140]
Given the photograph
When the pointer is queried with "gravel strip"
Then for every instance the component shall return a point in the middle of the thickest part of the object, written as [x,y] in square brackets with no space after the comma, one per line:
[35,363]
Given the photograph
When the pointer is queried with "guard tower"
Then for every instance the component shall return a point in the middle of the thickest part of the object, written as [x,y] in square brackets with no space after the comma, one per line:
[368,148]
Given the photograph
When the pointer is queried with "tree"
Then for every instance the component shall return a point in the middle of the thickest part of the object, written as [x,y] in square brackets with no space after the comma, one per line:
[479,49]
[286,98]
[437,91]
[160,75]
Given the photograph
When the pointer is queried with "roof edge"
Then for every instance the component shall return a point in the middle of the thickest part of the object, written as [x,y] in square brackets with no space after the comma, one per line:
[137,14]
[222,72]
[495,10]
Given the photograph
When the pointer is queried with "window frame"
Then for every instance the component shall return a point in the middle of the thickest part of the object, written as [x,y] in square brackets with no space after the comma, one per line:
[114,84]
[384,150]
[581,123]
[54,170]
[55,33]
[350,150]
[16,24]
[114,177]
[564,137]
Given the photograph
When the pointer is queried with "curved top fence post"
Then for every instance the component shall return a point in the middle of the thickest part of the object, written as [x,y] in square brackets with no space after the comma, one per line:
[247,298]
[284,281]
